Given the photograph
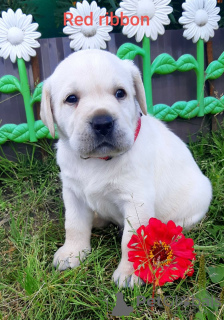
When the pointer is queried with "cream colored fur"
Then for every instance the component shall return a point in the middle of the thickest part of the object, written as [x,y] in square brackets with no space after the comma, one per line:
[156,176]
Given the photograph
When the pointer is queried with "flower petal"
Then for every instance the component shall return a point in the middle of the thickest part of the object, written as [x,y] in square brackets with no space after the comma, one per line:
[13,55]
[151,237]
[193,31]
[140,34]
[5,50]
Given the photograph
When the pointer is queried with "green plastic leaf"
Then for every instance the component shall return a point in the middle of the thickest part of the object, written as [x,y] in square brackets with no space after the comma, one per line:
[5,132]
[183,109]
[163,64]
[42,131]
[17,133]
[129,51]
[187,110]
[187,62]
[221,58]
[9,84]
[21,133]
[213,105]
[179,106]
[37,93]
[215,70]
[164,112]
[191,110]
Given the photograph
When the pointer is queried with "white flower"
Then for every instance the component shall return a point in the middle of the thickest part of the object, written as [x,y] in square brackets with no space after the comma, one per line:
[93,33]
[156,10]
[17,35]
[200,19]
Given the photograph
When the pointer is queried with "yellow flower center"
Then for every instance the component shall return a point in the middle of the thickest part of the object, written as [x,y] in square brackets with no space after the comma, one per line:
[161,253]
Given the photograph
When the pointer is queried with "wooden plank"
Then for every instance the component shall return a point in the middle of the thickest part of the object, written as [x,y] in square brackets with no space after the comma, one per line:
[36,78]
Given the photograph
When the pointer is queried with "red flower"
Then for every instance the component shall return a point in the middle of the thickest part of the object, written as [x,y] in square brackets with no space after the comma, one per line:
[161,253]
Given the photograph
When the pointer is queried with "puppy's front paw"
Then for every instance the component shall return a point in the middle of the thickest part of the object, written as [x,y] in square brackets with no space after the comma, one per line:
[68,257]
[124,276]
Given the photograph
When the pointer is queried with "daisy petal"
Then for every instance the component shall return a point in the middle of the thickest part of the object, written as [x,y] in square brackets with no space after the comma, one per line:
[5,50]
[13,55]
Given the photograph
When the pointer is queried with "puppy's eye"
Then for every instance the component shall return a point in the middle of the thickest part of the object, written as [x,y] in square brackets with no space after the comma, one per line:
[120,94]
[71,99]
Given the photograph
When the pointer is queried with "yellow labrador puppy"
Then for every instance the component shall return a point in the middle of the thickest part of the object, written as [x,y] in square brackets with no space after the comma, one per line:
[114,158]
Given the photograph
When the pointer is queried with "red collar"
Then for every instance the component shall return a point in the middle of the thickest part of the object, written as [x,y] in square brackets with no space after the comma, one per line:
[137,130]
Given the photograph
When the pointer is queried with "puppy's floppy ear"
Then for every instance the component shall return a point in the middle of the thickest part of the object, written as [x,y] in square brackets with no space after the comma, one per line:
[139,89]
[46,109]
[138,84]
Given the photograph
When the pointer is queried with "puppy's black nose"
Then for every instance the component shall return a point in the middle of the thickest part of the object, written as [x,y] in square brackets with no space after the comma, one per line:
[102,125]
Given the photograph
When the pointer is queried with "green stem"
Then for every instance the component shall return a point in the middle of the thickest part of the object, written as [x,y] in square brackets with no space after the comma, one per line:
[25,91]
[200,77]
[147,78]
[153,291]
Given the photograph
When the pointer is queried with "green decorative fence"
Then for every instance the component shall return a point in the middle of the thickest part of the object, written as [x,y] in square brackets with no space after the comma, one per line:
[19,39]
[32,130]
[163,64]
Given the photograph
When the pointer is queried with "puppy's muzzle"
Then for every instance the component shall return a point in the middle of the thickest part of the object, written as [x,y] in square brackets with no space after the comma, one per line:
[102,125]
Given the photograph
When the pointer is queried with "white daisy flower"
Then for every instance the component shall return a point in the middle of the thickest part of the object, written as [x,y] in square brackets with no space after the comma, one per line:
[200,19]
[156,10]
[91,33]
[17,35]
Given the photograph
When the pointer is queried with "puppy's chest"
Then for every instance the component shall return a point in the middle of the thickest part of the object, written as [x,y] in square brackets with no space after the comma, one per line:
[101,193]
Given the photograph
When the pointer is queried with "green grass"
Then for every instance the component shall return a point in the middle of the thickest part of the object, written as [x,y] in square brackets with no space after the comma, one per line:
[32,228]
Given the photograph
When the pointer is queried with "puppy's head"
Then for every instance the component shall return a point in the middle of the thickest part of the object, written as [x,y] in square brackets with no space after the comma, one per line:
[95,99]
